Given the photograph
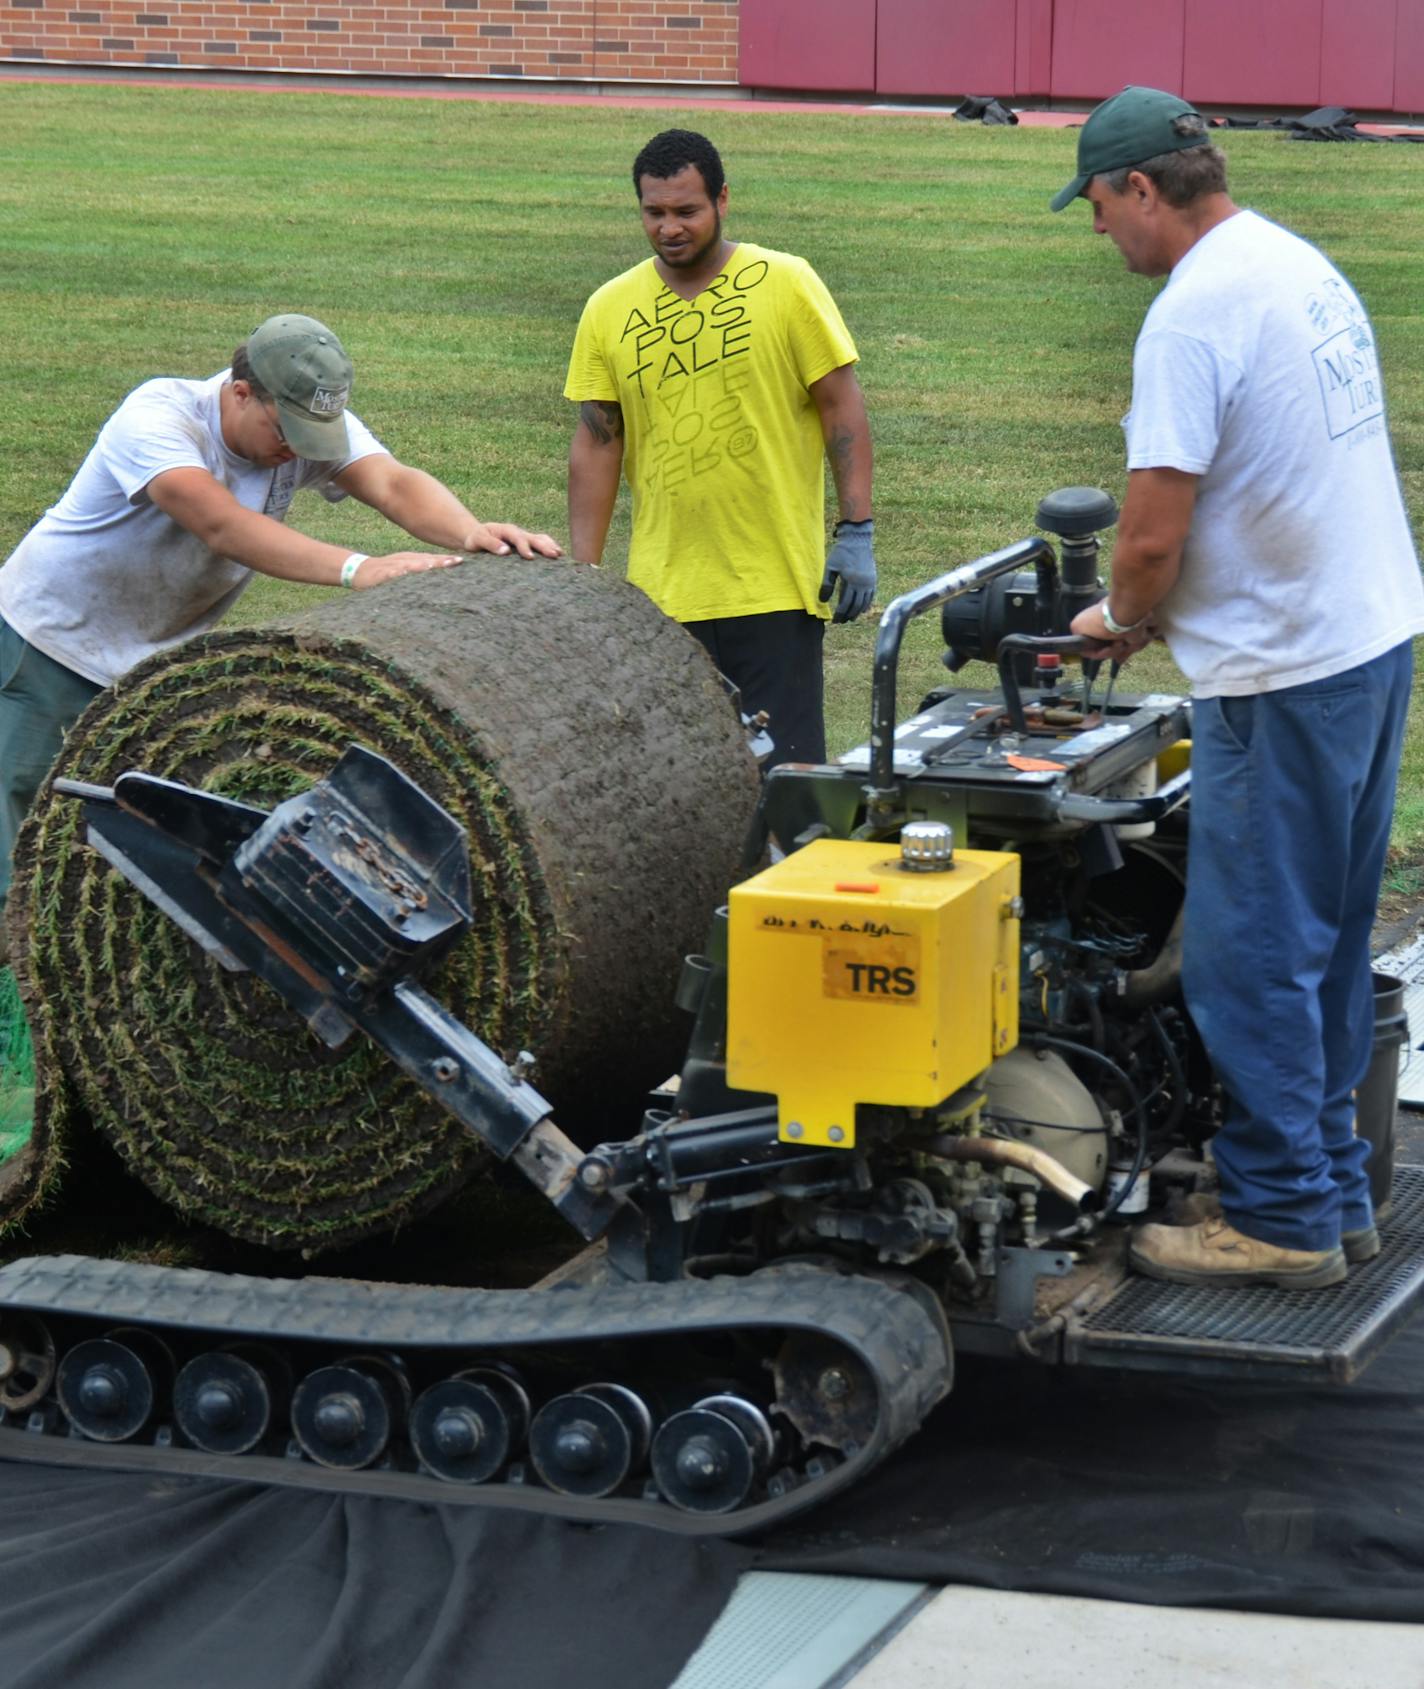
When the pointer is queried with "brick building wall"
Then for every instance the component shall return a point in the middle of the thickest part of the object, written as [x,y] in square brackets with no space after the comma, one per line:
[599,40]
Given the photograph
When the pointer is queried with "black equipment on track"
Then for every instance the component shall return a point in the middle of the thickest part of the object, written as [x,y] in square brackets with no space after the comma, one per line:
[767,1307]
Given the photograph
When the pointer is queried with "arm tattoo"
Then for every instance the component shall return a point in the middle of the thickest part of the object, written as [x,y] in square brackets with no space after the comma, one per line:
[840,447]
[603,419]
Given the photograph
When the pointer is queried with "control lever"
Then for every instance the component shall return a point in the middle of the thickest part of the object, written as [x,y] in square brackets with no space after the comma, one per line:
[1114,670]
[1012,644]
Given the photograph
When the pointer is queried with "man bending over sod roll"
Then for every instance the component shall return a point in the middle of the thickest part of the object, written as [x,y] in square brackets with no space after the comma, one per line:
[184,494]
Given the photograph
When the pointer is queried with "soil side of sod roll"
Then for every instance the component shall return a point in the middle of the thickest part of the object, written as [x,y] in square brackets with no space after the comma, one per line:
[587,746]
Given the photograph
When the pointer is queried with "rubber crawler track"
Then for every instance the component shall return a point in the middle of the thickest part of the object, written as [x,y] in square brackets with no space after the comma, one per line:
[894,1335]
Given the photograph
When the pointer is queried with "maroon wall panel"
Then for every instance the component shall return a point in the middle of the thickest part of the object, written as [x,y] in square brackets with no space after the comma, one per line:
[1409,57]
[1357,53]
[1101,45]
[1033,47]
[1368,54]
[930,47]
[1253,52]
[826,44]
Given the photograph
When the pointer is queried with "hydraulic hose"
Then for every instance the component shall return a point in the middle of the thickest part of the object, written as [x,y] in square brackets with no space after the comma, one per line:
[1175,1069]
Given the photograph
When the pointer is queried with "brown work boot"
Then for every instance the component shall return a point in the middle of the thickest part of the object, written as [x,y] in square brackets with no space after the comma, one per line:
[1214,1252]
[1363,1244]
[1360,1245]
[1199,1206]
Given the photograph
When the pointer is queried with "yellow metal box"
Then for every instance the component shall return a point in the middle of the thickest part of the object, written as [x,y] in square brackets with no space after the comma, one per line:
[855,979]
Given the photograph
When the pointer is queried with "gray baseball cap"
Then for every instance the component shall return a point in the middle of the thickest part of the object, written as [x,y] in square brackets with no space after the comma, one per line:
[1136,124]
[304,367]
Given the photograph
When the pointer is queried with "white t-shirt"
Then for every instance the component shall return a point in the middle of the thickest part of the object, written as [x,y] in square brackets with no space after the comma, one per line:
[105,578]
[1256,369]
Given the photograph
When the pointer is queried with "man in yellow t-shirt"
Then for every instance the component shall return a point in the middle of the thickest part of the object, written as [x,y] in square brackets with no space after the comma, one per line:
[716,375]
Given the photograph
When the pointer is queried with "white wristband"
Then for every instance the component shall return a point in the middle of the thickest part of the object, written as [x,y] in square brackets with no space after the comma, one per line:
[350,566]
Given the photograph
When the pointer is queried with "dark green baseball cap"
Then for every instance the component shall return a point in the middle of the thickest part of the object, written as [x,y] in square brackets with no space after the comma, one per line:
[304,367]
[1136,124]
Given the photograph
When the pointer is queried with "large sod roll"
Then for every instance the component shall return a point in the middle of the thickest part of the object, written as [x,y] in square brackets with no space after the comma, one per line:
[587,746]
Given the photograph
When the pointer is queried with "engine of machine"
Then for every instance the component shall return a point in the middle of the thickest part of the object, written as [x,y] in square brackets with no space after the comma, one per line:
[996,1031]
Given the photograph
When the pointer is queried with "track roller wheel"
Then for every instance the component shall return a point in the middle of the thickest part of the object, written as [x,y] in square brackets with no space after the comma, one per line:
[274,1366]
[507,1388]
[224,1402]
[27,1363]
[707,1458]
[465,1428]
[108,1386]
[344,1416]
[589,1442]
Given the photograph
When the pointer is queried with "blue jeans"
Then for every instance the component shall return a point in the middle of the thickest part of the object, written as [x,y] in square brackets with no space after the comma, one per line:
[40,700]
[1292,796]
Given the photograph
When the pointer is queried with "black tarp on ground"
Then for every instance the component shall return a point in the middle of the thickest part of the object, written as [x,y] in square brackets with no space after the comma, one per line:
[118,1581]
[1117,1486]
[1129,1487]
[1325,123]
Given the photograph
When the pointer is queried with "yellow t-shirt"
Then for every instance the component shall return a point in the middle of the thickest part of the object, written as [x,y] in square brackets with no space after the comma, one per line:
[722,442]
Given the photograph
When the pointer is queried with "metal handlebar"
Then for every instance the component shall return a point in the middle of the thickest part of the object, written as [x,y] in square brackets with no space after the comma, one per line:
[1075,806]
[898,614]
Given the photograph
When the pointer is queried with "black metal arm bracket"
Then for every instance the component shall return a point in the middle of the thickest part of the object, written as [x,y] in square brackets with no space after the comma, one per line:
[338,899]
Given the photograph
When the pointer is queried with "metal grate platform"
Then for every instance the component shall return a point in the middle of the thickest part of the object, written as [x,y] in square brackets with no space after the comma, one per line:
[1322,1335]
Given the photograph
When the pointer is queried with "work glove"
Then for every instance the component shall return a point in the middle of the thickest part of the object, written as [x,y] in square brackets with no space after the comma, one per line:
[851,561]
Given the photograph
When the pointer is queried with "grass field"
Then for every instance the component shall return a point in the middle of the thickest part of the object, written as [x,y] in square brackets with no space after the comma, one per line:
[452,244]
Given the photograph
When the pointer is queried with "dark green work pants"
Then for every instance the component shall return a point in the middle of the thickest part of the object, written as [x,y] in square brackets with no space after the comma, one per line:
[40,700]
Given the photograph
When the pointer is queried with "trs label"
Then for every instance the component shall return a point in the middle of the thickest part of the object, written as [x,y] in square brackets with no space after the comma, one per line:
[883,972]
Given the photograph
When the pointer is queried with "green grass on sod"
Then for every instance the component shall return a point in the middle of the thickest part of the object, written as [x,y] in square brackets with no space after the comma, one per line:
[452,245]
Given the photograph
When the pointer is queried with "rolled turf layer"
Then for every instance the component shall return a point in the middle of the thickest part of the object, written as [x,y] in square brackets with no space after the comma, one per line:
[588,748]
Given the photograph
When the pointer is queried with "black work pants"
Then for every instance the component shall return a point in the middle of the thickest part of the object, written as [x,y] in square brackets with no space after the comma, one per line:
[774,661]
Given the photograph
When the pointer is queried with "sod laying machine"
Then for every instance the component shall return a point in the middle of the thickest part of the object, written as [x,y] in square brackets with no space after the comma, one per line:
[315,923]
